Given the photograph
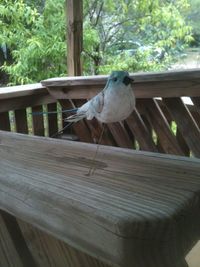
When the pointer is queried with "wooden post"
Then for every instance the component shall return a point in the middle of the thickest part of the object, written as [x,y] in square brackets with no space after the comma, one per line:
[74,36]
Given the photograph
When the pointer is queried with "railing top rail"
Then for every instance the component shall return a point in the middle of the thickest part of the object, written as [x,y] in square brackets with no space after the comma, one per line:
[138,77]
[146,85]
[21,90]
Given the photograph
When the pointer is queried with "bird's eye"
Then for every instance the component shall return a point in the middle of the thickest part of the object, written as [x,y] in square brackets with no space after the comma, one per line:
[115,79]
[127,80]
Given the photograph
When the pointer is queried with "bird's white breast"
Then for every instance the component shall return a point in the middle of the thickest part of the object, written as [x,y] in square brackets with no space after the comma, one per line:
[118,104]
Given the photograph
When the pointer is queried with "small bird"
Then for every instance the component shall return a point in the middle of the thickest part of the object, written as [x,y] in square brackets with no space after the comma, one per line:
[114,103]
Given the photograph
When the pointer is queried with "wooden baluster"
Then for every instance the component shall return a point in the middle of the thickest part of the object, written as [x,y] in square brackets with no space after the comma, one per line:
[49,251]
[80,128]
[21,121]
[96,129]
[38,121]
[120,135]
[196,110]
[182,143]
[9,256]
[52,119]
[185,122]
[4,121]
[20,251]
[167,140]
[140,131]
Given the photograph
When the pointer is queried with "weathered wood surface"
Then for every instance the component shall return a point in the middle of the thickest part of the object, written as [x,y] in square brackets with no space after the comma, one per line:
[22,102]
[74,16]
[137,209]
[48,251]
[186,123]
[146,85]
[17,242]
[9,256]
[21,90]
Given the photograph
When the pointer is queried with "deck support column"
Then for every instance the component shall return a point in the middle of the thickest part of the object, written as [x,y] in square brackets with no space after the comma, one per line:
[74,36]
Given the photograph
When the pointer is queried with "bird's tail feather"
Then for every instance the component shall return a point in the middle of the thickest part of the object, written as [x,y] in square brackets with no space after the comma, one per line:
[54,112]
[76,117]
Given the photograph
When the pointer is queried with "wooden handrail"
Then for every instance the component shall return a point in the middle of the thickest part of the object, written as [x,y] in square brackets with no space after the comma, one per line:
[22,96]
[21,90]
[128,205]
[146,85]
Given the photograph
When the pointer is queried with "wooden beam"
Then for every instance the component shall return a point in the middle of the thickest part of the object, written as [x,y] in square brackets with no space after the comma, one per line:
[185,122]
[22,102]
[9,256]
[18,240]
[74,36]
[138,202]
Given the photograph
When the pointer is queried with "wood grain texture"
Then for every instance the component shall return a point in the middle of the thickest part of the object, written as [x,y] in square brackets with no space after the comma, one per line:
[21,90]
[80,128]
[9,256]
[50,252]
[146,85]
[120,135]
[23,102]
[141,132]
[18,240]
[185,122]
[74,36]
[100,131]
[156,118]
[138,209]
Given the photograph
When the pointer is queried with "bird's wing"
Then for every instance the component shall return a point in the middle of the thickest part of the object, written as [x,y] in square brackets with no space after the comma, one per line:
[97,103]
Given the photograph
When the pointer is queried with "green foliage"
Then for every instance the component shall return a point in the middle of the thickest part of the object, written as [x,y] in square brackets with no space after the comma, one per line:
[158,27]
[37,41]
[193,18]
[121,34]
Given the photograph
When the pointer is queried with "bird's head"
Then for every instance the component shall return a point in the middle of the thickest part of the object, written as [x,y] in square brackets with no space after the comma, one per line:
[119,77]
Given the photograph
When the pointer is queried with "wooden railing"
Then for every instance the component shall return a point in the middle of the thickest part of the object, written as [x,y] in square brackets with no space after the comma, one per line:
[162,121]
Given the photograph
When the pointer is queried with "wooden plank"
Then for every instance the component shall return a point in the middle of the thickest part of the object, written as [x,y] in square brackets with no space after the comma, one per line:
[74,36]
[52,119]
[23,102]
[142,202]
[19,243]
[141,89]
[100,133]
[38,121]
[21,90]
[49,251]
[140,131]
[195,109]
[182,82]
[182,143]
[149,85]
[120,134]
[9,256]
[185,122]
[4,121]
[21,121]
[139,77]
[80,128]
[158,121]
